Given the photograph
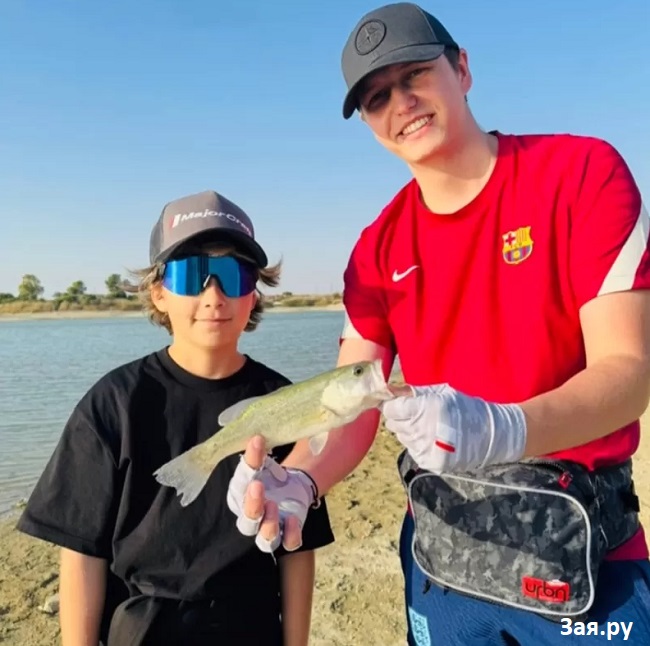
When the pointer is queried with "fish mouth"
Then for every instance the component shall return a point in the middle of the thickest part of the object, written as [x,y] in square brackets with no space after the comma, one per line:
[383,391]
[400,390]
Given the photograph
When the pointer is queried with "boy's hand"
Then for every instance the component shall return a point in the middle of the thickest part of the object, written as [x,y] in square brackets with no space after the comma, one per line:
[270,502]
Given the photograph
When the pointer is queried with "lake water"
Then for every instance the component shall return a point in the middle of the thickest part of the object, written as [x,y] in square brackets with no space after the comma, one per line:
[47,365]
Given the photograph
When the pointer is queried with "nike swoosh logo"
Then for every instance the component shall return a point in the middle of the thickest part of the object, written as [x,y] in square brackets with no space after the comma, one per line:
[398,276]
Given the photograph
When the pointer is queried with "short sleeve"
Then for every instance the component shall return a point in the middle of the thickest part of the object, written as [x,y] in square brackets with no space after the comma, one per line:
[364,297]
[609,229]
[74,502]
[317,531]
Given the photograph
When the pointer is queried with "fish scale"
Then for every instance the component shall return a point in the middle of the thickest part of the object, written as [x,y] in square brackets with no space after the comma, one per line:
[307,409]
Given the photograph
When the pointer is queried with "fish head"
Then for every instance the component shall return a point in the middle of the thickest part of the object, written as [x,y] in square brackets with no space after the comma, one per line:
[355,388]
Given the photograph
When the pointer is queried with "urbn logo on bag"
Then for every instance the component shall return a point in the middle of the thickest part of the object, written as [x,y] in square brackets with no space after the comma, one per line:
[550,591]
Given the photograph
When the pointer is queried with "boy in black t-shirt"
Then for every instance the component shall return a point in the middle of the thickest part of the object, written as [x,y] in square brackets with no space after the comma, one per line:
[136,567]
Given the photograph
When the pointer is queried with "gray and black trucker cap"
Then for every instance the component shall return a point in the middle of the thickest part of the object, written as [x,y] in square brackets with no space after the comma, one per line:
[204,216]
[394,33]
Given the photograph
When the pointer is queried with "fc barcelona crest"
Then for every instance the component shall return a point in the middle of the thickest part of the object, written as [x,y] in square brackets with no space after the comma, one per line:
[517,245]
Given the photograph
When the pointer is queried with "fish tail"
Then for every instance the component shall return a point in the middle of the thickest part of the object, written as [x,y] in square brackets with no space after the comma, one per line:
[187,473]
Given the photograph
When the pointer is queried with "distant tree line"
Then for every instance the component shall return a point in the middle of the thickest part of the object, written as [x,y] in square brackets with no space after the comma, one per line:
[31,289]
[30,297]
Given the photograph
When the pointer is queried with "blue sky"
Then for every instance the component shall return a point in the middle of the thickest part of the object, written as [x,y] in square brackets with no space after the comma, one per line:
[110,109]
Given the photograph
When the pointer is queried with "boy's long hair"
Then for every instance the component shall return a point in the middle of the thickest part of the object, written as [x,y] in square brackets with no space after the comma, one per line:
[150,276]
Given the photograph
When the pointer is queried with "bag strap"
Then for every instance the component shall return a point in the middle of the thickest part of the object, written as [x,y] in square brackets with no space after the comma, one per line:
[407,467]
[619,504]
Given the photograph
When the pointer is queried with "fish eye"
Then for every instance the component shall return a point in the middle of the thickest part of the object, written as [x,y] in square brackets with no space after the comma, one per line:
[358,371]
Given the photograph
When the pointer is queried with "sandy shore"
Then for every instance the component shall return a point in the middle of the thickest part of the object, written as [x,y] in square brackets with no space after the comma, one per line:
[90,314]
[358,598]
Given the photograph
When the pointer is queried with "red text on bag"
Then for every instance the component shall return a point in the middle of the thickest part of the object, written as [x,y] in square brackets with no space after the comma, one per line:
[550,591]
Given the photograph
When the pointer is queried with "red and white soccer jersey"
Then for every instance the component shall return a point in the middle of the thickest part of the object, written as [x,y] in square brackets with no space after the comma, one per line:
[487,299]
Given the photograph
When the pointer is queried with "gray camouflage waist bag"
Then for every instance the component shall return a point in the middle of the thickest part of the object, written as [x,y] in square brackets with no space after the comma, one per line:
[529,535]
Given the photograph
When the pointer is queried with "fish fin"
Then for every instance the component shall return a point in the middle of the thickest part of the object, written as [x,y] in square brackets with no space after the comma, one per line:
[233,412]
[186,473]
[317,442]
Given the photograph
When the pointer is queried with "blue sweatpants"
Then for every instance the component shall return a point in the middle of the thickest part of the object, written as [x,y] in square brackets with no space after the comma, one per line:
[446,618]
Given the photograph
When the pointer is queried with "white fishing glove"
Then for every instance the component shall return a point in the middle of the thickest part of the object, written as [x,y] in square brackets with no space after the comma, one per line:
[445,430]
[292,490]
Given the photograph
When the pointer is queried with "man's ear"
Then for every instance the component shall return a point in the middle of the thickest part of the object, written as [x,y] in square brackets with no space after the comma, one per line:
[464,73]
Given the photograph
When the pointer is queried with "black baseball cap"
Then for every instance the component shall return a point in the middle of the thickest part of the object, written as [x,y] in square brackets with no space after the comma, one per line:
[394,33]
[199,218]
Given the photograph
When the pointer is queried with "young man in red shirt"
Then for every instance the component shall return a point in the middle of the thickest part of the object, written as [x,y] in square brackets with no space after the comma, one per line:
[510,276]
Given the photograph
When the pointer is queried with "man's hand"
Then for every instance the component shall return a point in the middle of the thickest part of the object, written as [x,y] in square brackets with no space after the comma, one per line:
[270,502]
[445,430]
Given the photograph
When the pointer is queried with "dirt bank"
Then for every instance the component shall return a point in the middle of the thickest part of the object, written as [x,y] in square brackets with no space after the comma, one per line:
[358,598]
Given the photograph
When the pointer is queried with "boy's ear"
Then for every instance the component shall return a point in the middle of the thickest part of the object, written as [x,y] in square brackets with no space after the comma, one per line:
[255,300]
[158,297]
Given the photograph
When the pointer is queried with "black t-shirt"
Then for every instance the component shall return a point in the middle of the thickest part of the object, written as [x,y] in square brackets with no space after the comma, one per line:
[98,495]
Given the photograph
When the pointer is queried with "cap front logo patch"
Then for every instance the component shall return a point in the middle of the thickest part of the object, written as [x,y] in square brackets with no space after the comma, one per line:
[369,36]
[517,245]
[179,218]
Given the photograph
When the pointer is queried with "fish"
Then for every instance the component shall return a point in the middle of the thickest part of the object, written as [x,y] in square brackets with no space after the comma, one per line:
[307,409]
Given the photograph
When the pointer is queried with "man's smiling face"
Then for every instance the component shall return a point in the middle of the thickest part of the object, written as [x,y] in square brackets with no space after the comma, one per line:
[416,110]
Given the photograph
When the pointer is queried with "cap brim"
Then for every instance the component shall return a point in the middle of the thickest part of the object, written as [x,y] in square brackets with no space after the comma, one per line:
[241,241]
[412,54]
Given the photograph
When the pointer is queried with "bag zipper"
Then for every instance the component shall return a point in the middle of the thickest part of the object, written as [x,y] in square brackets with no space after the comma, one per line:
[565,478]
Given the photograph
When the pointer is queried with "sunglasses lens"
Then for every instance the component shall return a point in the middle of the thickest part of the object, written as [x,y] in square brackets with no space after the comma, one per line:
[188,276]
[183,277]
[231,274]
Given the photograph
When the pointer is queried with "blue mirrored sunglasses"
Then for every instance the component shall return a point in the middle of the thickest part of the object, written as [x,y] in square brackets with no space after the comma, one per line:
[189,276]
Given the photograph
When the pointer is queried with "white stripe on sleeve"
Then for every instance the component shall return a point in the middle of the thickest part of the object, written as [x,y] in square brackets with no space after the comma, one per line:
[349,331]
[622,273]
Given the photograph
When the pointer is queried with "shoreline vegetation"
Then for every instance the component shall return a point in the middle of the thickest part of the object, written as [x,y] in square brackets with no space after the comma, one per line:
[129,306]
[118,300]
